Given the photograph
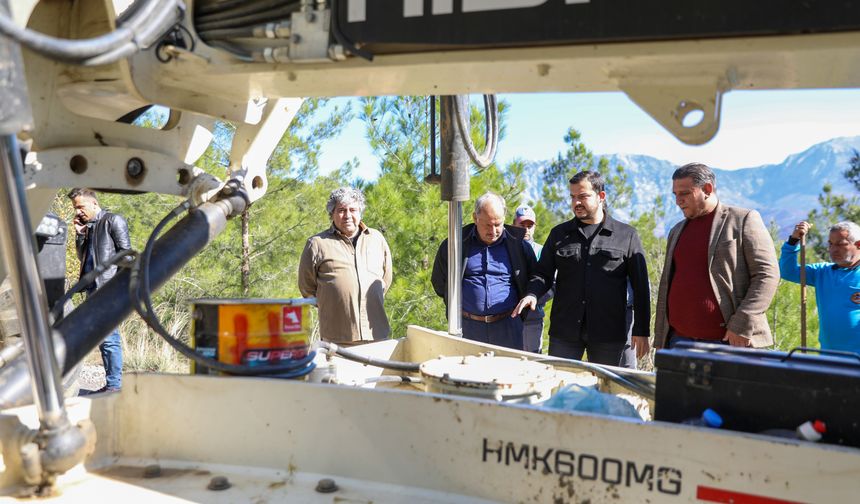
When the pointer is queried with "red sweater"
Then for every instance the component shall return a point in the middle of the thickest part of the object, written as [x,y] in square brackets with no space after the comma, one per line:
[693,308]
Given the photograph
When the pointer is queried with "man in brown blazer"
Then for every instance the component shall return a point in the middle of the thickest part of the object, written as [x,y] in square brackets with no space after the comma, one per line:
[720,272]
[347,268]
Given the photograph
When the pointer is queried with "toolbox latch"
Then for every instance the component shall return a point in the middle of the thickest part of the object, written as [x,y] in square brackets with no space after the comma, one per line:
[699,374]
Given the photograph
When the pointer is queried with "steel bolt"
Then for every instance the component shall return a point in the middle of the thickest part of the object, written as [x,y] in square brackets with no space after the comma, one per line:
[326,485]
[152,471]
[134,167]
[296,38]
[219,483]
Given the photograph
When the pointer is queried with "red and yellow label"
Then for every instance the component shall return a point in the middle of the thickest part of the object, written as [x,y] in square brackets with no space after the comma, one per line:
[256,334]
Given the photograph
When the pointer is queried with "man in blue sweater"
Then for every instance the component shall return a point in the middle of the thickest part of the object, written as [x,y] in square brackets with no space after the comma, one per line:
[837,284]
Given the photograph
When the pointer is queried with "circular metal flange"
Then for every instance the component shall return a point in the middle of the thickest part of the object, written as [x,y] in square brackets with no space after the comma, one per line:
[490,377]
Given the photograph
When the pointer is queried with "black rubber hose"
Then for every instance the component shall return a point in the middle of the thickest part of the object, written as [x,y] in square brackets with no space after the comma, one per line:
[233,49]
[139,292]
[409,367]
[89,278]
[210,7]
[347,44]
[84,328]
[246,9]
[249,20]
[132,116]
[227,33]
[643,389]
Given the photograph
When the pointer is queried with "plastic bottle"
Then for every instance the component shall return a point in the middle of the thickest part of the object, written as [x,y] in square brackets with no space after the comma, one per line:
[811,430]
[708,418]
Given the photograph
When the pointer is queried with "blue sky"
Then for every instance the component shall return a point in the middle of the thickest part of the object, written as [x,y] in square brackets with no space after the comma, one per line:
[757,127]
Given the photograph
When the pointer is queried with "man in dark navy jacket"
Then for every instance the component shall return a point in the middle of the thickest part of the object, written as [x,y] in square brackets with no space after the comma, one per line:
[497,263]
[595,256]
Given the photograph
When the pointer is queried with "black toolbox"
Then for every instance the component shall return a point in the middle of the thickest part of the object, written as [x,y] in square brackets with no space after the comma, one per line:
[756,390]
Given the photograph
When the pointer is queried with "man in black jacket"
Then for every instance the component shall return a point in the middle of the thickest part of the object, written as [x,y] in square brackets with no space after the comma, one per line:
[497,263]
[98,236]
[595,256]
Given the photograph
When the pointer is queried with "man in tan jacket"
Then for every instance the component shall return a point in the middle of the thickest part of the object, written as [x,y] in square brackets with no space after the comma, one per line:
[720,272]
[348,269]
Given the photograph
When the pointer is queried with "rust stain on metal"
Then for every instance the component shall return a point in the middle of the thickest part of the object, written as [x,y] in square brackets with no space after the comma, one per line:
[129,472]
[613,490]
[566,484]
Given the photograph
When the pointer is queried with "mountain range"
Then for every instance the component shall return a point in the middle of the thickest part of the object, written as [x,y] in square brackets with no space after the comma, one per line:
[783,193]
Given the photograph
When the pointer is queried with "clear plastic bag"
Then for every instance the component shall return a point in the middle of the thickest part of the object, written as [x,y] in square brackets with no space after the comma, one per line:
[589,399]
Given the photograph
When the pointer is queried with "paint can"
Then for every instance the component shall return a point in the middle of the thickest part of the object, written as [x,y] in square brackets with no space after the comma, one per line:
[250,332]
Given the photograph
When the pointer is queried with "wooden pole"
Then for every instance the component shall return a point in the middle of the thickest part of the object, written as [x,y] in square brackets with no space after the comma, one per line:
[803,291]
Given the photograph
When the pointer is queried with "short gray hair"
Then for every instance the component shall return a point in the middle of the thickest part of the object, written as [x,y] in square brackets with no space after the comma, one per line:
[852,228]
[490,197]
[699,172]
[344,196]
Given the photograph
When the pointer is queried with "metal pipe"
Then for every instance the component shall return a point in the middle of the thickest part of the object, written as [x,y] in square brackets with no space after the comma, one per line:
[454,160]
[19,252]
[455,268]
[454,167]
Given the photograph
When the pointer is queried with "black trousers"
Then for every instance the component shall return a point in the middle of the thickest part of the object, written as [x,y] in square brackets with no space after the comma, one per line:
[611,354]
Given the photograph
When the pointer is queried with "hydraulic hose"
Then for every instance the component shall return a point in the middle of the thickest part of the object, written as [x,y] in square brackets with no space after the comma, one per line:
[233,49]
[202,8]
[248,20]
[162,22]
[629,381]
[140,295]
[90,277]
[245,9]
[79,51]
[409,367]
[393,379]
[227,33]
[492,131]
[84,328]
[341,39]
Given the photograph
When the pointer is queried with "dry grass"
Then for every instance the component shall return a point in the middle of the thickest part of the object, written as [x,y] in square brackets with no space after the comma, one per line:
[144,350]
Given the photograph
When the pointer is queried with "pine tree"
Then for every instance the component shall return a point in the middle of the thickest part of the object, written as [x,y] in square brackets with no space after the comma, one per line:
[835,208]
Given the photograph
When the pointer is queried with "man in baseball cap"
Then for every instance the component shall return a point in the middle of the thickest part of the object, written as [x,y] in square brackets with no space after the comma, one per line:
[525,218]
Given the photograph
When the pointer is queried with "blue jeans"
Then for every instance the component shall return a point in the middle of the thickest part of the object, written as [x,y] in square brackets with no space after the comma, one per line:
[111,350]
[507,332]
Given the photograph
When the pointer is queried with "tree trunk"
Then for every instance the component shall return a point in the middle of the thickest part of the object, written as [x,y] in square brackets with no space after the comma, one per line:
[246,253]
